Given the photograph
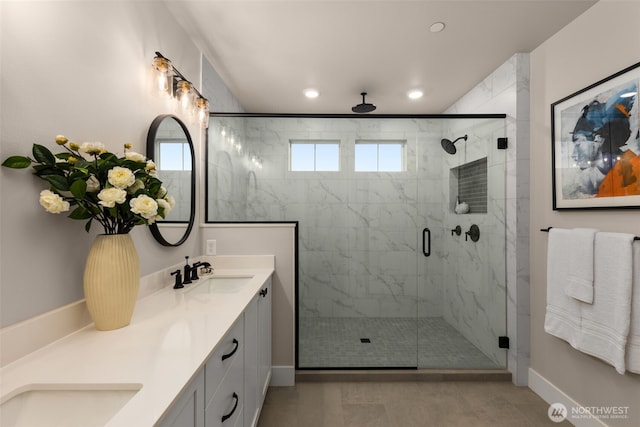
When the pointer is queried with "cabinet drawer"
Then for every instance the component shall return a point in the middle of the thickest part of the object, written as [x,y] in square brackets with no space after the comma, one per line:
[228,400]
[231,349]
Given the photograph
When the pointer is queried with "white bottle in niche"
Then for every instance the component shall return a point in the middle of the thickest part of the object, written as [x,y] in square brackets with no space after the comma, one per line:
[461,207]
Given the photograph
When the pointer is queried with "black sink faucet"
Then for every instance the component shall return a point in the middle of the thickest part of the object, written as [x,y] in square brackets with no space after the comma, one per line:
[194,270]
[187,272]
[178,284]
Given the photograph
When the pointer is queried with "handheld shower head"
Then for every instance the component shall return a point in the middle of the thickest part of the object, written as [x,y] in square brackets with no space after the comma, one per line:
[364,107]
[450,146]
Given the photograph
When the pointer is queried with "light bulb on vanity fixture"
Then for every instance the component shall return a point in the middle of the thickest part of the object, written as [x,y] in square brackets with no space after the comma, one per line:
[162,71]
[169,82]
[202,109]
[185,95]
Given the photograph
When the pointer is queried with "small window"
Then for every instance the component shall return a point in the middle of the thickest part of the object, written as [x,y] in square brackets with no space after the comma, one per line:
[379,156]
[174,156]
[315,156]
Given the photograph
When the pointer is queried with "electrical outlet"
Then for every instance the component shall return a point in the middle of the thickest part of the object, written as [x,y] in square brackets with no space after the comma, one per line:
[211,247]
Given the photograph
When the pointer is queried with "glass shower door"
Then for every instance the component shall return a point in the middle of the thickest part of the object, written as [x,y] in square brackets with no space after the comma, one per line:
[462,303]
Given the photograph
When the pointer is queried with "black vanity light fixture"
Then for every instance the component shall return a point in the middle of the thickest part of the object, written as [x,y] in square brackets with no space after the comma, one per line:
[170,82]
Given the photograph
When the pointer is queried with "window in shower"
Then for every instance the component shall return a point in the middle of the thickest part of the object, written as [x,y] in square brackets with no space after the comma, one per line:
[314,156]
[377,156]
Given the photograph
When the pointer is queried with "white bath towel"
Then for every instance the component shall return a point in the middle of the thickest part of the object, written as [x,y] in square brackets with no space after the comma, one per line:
[633,343]
[605,323]
[580,279]
[562,318]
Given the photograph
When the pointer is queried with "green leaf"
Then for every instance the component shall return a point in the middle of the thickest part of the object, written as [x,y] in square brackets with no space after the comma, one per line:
[58,182]
[83,164]
[154,186]
[78,189]
[82,170]
[43,155]
[80,213]
[44,170]
[17,162]
[87,226]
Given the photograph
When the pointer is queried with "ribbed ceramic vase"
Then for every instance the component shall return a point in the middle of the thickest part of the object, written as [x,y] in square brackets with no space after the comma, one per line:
[111,281]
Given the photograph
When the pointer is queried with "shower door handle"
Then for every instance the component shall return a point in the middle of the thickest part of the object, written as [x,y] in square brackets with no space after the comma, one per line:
[426,242]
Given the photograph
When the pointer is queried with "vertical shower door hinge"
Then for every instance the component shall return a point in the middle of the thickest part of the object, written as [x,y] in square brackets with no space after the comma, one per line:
[502,143]
[503,342]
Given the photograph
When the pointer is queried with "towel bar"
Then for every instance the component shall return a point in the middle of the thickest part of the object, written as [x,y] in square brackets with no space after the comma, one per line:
[546,230]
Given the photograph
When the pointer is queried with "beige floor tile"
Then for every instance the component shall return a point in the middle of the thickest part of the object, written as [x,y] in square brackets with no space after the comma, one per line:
[365,415]
[404,404]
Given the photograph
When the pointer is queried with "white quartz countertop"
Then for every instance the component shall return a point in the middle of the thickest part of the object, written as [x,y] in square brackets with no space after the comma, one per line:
[170,337]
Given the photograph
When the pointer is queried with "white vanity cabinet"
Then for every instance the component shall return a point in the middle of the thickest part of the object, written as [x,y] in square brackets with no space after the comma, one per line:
[230,389]
[188,409]
[257,353]
[224,373]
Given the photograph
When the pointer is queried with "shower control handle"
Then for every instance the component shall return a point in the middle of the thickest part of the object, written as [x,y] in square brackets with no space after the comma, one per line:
[474,233]
[457,231]
[426,242]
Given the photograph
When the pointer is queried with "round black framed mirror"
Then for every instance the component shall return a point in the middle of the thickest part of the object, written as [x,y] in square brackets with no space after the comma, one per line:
[170,146]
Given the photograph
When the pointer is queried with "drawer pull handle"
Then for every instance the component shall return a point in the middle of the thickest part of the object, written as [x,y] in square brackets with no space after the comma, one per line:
[263,292]
[235,406]
[226,356]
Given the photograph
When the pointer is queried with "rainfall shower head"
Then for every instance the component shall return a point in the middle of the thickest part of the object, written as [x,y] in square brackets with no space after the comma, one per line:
[449,146]
[364,107]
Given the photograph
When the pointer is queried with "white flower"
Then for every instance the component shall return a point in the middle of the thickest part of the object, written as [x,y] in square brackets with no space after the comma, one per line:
[171,200]
[121,177]
[133,156]
[150,168]
[144,206]
[162,203]
[93,148]
[52,202]
[93,184]
[161,192]
[137,185]
[110,196]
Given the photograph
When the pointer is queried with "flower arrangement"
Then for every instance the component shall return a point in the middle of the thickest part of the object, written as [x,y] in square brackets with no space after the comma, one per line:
[118,192]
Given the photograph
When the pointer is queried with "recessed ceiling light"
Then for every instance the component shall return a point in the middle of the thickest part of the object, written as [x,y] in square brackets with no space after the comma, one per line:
[415,94]
[436,27]
[311,93]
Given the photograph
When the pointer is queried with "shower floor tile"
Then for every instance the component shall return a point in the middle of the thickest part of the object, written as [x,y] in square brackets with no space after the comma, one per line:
[386,343]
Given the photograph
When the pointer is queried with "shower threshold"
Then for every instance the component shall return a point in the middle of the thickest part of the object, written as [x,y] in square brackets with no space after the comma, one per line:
[392,375]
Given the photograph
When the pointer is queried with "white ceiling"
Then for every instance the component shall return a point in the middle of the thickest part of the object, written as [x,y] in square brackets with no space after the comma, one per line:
[269,51]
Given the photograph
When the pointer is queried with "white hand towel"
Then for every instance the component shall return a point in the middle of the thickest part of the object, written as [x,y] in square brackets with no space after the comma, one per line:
[633,344]
[562,317]
[580,279]
[605,323]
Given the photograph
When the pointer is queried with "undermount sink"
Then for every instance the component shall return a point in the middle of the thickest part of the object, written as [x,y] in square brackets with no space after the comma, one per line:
[221,284]
[64,404]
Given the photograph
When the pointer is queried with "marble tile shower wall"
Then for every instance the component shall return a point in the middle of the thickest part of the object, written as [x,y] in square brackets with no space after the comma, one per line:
[228,175]
[360,233]
[474,297]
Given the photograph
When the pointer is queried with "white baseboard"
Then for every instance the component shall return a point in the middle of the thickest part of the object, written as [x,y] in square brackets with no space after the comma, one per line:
[552,394]
[283,376]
